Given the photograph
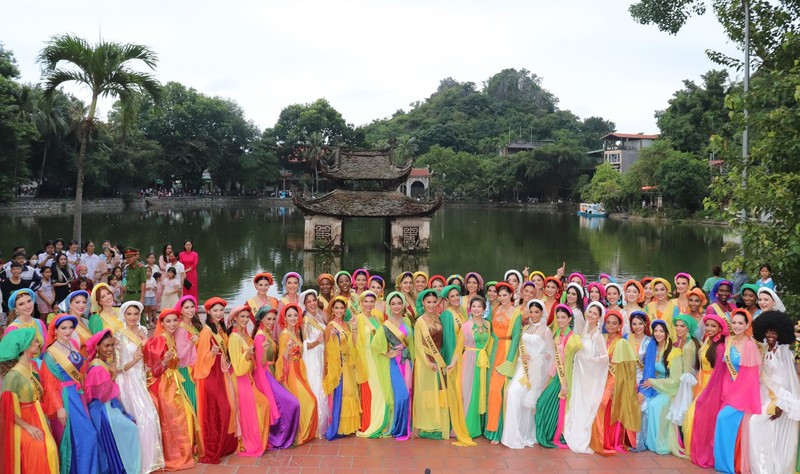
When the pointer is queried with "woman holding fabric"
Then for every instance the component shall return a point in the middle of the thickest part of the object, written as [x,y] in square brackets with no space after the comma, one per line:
[132,378]
[186,337]
[62,378]
[28,446]
[339,381]
[314,322]
[685,328]
[216,401]
[118,436]
[478,342]
[375,413]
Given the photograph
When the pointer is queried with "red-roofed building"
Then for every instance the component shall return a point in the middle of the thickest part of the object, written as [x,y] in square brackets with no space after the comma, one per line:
[621,150]
[419,180]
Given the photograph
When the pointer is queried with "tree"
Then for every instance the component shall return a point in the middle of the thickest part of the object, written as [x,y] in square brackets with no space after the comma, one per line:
[683,181]
[52,121]
[17,133]
[105,68]
[605,186]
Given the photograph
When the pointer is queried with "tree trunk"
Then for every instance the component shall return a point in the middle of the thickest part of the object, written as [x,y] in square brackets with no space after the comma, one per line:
[41,171]
[85,133]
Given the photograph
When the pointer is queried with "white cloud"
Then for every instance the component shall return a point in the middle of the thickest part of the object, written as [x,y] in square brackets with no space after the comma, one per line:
[370,58]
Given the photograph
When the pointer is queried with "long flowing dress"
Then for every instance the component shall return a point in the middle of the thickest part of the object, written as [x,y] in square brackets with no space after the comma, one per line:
[437,399]
[589,373]
[375,412]
[478,343]
[190,259]
[506,329]
[398,382]
[284,406]
[252,405]
[707,406]
[660,433]
[136,399]
[703,376]
[339,381]
[291,371]
[773,443]
[19,452]
[741,398]
[519,429]
[187,354]
[683,398]
[640,348]
[216,399]
[314,359]
[180,432]
[63,388]
[117,433]
[619,416]
[550,407]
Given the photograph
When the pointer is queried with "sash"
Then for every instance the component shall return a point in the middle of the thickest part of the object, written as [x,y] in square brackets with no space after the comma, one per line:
[611,367]
[272,344]
[65,364]
[396,331]
[313,321]
[99,363]
[437,357]
[110,322]
[133,337]
[560,369]
[350,349]
[734,373]
[458,318]
[190,329]
[28,374]
[84,334]
[723,315]
[522,353]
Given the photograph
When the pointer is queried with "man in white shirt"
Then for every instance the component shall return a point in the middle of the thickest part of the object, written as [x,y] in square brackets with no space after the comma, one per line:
[91,261]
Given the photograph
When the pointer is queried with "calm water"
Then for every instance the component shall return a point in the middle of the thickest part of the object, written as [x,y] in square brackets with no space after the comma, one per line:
[234,244]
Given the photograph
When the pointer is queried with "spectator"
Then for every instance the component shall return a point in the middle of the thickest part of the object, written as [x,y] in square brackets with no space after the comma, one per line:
[715,277]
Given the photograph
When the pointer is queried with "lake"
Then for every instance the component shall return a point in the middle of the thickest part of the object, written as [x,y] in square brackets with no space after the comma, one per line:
[235,244]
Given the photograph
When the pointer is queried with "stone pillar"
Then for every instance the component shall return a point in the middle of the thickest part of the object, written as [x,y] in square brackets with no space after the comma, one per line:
[322,233]
[411,234]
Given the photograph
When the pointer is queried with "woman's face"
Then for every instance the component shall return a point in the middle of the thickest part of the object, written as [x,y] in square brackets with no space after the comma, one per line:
[106,298]
[594,294]
[660,291]
[504,296]
[429,303]
[538,281]
[694,303]
[612,295]
[457,282]
[47,273]
[723,292]
[34,347]
[476,309]
[262,286]
[420,283]
[344,283]
[712,328]
[648,291]
[680,329]
[361,281]
[339,309]
[131,315]
[528,292]
[396,305]
[62,260]
[535,314]
[311,303]
[593,315]
[73,247]
[612,325]
[151,259]
[90,248]
[106,348]
[269,321]
[659,334]
[572,297]
[188,309]
[376,287]
[437,285]
[118,272]
[217,313]
[24,304]
[243,317]
[188,246]
[749,298]
[771,336]
[325,286]
[739,324]
[765,301]
[513,280]
[472,285]
[170,323]
[681,285]
[454,298]
[637,326]
[64,331]
[368,304]
[563,319]
[169,249]
[550,289]
[491,293]
[406,283]
[59,246]
[292,283]
[632,294]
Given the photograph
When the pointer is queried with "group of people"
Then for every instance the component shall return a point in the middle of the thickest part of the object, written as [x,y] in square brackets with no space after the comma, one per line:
[596,367]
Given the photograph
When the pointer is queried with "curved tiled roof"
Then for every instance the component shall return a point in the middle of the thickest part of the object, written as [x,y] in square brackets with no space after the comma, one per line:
[365,165]
[342,203]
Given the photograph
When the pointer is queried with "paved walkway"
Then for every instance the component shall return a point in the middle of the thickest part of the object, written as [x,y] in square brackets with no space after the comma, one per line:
[362,456]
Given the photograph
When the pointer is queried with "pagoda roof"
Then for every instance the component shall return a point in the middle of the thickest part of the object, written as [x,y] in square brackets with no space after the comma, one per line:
[365,165]
[343,203]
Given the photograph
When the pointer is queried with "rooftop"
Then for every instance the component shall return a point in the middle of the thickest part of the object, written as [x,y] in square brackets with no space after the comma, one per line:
[634,136]
[421,172]
[343,203]
[364,165]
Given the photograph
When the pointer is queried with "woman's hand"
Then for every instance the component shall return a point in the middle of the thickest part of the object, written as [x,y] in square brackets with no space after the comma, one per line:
[563,393]
[778,413]
[215,350]
[195,339]
[647,384]
[249,354]
[526,357]
[168,356]
[35,432]
[62,416]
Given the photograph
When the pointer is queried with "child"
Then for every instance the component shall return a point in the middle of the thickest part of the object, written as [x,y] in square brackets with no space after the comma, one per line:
[171,289]
[115,289]
[83,282]
[151,263]
[159,290]
[149,296]
[46,293]
[765,271]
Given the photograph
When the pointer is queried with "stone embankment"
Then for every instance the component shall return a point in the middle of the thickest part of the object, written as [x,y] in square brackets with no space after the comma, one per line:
[53,207]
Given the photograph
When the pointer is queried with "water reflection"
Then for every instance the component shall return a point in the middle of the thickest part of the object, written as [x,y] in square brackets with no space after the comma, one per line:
[236,243]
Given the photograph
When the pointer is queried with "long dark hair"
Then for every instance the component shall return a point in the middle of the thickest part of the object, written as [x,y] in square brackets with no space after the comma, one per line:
[711,353]
[667,341]
[210,322]
[164,252]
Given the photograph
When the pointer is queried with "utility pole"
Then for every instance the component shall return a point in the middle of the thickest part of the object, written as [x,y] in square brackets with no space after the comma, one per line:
[745,134]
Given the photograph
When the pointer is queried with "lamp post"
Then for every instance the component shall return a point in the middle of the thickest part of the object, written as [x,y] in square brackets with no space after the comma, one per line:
[745,134]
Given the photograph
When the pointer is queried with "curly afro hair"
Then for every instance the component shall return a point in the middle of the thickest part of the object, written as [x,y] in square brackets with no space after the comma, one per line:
[777,321]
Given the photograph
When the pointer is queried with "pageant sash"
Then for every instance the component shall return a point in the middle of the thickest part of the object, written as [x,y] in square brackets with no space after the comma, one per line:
[437,357]
[65,364]
[28,374]
[110,322]
[133,337]
[396,331]
[308,319]
[612,369]
[560,369]
[734,373]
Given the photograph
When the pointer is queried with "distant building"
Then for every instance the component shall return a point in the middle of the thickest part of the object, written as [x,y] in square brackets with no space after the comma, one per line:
[621,150]
[417,183]
[522,145]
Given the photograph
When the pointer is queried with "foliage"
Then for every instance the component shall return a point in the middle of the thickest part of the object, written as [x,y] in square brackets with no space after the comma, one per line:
[605,187]
[17,133]
[683,181]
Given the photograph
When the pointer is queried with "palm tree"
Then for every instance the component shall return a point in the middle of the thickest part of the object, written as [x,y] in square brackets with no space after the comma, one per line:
[105,69]
[314,148]
[406,149]
[52,121]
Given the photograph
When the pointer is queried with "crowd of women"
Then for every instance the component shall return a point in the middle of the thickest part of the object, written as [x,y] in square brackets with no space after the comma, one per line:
[596,367]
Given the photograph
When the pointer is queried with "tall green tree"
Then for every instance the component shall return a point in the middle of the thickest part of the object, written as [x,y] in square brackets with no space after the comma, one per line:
[105,68]
[17,133]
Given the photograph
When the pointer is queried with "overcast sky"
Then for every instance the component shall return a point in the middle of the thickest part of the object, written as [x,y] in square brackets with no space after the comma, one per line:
[370,58]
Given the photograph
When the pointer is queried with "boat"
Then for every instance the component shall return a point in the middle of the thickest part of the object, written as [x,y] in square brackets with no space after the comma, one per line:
[592,209]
